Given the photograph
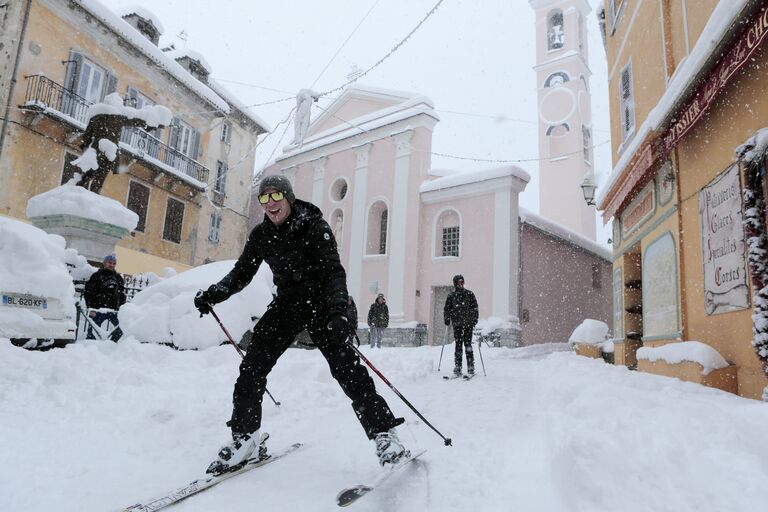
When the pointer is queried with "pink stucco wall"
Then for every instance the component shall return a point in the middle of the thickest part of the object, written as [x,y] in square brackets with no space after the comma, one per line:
[556,287]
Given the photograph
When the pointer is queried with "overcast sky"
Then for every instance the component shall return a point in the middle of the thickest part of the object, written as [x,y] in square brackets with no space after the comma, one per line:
[472,58]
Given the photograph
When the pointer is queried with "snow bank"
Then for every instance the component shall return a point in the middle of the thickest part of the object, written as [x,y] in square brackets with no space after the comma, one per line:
[153,115]
[589,331]
[694,351]
[490,324]
[165,312]
[32,262]
[76,201]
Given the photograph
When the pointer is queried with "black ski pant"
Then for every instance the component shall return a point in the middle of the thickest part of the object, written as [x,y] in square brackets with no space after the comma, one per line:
[272,336]
[463,336]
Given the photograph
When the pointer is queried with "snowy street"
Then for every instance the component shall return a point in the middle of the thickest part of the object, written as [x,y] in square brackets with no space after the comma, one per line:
[99,426]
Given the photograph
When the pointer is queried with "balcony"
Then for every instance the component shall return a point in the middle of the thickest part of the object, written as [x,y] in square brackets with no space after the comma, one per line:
[45,96]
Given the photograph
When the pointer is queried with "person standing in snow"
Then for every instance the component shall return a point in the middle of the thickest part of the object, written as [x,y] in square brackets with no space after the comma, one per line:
[461,311]
[352,313]
[299,246]
[378,320]
[105,290]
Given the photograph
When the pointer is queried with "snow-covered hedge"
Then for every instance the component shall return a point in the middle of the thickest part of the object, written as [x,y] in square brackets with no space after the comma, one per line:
[165,312]
[694,351]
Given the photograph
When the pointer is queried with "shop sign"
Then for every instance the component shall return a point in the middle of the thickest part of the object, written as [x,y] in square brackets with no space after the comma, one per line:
[636,174]
[639,210]
[722,243]
[738,55]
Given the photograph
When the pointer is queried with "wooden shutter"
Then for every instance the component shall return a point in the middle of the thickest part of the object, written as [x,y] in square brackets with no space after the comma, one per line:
[194,154]
[110,85]
[138,202]
[174,220]
[73,70]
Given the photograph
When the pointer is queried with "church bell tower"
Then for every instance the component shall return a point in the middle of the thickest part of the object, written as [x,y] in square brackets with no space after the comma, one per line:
[565,113]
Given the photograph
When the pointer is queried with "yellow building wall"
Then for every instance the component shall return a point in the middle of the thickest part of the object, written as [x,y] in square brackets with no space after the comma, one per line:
[703,155]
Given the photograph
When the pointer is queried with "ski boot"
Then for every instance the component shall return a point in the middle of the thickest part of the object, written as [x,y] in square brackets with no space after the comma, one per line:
[389,449]
[236,454]
[457,372]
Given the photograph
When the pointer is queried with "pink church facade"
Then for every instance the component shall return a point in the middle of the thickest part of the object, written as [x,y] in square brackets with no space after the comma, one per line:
[403,230]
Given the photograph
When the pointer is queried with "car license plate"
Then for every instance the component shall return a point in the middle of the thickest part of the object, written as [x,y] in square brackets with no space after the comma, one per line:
[24,301]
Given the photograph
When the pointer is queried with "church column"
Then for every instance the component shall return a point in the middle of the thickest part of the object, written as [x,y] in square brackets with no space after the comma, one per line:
[399,228]
[502,250]
[318,185]
[358,219]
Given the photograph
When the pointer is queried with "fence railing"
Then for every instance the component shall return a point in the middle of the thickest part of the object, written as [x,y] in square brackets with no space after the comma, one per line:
[43,92]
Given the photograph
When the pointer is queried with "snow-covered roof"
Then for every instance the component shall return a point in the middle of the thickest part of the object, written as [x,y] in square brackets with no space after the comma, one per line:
[142,12]
[410,106]
[562,232]
[468,177]
[236,103]
[180,53]
[134,37]
[724,14]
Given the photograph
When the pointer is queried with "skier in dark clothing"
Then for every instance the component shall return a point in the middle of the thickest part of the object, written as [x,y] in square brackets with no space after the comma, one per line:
[352,313]
[105,289]
[461,310]
[378,320]
[300,248]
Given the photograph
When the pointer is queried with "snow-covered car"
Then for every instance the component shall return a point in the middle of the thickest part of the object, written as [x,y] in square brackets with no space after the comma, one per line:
[36,291]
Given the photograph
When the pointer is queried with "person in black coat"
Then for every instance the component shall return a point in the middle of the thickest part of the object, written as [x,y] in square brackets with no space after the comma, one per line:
[461,310]
[378,320]
[105,289]
[299,247]
[352,312]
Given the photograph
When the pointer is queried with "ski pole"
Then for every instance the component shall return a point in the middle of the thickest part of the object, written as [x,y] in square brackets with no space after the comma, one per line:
[480,349]
[445,340]
[393,388]
[229,337]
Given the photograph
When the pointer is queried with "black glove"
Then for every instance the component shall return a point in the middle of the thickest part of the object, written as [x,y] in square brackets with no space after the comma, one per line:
[339,326]
[205,300]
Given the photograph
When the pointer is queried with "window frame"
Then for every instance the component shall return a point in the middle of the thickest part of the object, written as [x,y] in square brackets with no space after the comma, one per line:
[629,101]
[166,220]
[141,227]
[220,183]
[550,25]
[437,234]
[214,228]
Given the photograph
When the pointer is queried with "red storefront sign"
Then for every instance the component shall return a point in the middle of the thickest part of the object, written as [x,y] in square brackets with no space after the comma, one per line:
[631,179]
[740,53]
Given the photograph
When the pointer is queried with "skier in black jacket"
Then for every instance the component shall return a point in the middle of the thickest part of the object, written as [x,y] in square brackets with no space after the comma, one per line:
[301,251]
[461,310]
[105,289]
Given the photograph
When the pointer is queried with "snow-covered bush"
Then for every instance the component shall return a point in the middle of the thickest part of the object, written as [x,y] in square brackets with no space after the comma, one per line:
[165,312]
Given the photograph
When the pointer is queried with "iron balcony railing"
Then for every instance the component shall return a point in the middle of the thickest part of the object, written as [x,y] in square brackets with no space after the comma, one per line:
[152,150]
[42,92]
[45,94]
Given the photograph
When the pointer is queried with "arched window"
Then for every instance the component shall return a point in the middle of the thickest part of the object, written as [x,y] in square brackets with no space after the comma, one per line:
[376,241]
[555,30]
[556,79]
[448,234]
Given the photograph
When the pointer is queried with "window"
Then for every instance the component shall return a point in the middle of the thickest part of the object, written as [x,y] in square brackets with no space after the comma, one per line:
[376,241]
[226,132]
[339,189]
[186,141]
[69,170]
[137,100]
[586,136]
[627,102]
[213,231]
[138,202]
[221,177]
[87,80]
[451,241]
[174,218]
[337,224]
[555,33]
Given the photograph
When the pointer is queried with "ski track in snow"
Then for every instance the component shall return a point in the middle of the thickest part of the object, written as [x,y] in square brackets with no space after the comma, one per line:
[98,426]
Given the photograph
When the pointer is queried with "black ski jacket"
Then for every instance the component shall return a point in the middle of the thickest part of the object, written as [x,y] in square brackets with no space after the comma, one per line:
[461,308]
[352,313]
[105,289]
[302,254]
[378,315]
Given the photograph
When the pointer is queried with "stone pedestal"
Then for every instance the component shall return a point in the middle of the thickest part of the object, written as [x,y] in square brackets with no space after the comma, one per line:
[91,238]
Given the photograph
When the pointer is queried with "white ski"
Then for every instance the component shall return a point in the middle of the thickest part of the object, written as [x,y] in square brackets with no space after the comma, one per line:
[206,482]
[351,494]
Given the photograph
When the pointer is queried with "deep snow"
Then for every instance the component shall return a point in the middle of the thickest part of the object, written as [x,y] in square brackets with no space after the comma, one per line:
[98,426]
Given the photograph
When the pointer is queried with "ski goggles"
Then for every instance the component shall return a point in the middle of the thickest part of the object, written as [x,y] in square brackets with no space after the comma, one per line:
[276,196]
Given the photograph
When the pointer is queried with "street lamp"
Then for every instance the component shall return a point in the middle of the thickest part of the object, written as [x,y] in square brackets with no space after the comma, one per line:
[588,188]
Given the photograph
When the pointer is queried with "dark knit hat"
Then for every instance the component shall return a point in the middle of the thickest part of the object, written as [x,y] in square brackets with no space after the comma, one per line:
[280,183]
[110,257]
[457,278]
